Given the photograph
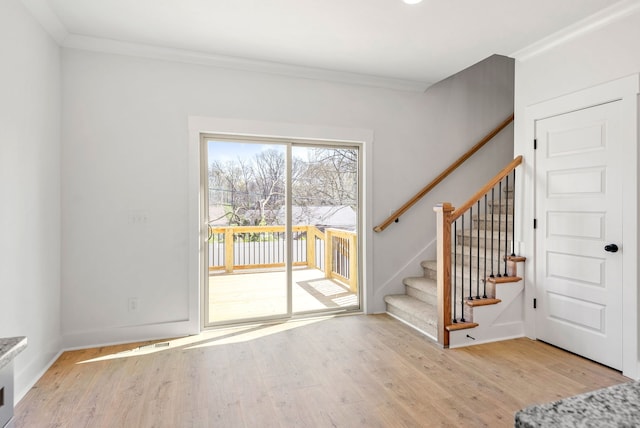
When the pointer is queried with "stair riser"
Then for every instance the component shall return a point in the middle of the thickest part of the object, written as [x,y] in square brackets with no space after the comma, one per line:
[474,241]
[431,274]
[475,263]
[468,313]
[501,225]
[474,283]
[428,326]
[421,295]
[474,292]
[500,209]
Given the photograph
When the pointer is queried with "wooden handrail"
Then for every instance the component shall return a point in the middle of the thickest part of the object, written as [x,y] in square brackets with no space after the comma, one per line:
[393,217]
[485,189]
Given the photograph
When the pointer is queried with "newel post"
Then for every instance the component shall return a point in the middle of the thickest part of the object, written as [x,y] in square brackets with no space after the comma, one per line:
[443,236]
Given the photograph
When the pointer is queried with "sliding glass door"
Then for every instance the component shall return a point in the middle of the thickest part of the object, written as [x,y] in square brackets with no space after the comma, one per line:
[281,221]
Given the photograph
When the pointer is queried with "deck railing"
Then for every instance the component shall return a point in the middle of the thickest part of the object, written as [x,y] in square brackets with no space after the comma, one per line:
[333,251]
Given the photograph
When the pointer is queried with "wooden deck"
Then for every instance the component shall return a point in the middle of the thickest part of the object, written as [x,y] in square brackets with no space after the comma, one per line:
[251,294]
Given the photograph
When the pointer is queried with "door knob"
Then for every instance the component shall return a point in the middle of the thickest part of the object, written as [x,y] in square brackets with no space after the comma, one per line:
[611,248]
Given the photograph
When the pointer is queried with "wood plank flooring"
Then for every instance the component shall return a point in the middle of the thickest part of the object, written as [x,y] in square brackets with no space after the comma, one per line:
[347,371]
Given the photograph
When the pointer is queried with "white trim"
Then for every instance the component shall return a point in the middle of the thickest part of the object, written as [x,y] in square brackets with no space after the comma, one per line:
[139,50]
[42,13]
[592,23]
[211,125]
[19,394]
[626,90]
[289,227]
[128,334]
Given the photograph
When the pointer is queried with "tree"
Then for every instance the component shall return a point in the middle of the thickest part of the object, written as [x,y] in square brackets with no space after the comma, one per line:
[253,188]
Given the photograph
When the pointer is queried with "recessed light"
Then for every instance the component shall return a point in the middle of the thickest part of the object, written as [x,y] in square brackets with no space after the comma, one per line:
[412,1]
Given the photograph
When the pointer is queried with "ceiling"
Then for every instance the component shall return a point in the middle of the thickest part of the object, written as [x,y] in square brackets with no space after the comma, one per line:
[383,39]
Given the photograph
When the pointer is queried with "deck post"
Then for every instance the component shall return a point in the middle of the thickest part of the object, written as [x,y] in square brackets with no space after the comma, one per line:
[328,253]
[353,263]
[228,250]
[443,236]
[311,247]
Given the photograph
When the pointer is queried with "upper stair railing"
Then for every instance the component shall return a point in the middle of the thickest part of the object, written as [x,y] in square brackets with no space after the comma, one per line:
[474,250]
[444,174]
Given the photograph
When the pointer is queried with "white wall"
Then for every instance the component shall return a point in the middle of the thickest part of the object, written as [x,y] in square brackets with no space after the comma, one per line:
[125,137]
[29,190]
[607,53]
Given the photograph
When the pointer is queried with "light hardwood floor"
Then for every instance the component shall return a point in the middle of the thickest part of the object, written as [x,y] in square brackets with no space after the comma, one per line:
[346,371]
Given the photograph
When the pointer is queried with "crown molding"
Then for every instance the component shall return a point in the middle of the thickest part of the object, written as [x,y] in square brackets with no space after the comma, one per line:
[74,41]
[43,14]
[592,23]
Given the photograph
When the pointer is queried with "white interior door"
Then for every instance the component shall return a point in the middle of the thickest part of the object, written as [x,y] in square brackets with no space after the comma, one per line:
[579,214]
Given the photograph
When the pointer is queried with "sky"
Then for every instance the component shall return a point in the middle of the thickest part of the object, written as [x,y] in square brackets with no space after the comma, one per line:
[229,151]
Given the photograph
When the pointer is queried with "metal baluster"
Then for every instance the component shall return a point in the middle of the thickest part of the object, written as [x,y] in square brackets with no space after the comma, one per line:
[484,273]
[499,224]
[470,253]
[513,217]
[493,202]
[455,262]
[478,254]
[461,276]
[506,226]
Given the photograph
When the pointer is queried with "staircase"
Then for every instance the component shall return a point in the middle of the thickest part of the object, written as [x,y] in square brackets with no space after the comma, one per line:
[473,284]
[480,248]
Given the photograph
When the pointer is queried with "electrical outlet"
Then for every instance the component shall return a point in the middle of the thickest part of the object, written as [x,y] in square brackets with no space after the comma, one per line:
[134,304]
[137,217]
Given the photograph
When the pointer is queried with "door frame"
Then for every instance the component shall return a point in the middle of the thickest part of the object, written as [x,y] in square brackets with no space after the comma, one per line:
[199,125]
[289,145]
[624,90]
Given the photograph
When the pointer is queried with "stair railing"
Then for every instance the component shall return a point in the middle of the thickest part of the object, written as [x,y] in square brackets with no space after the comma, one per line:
[492,211]
[444,174]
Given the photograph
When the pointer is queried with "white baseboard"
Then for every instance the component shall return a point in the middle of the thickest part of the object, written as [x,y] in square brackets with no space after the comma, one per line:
[32,376]
[128,334]
[27,378]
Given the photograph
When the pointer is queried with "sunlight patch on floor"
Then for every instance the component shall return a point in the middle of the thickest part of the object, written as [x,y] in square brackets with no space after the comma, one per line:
[222,336]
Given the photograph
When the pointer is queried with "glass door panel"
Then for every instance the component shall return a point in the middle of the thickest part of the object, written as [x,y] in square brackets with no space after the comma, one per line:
[246,246]
[324,215]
